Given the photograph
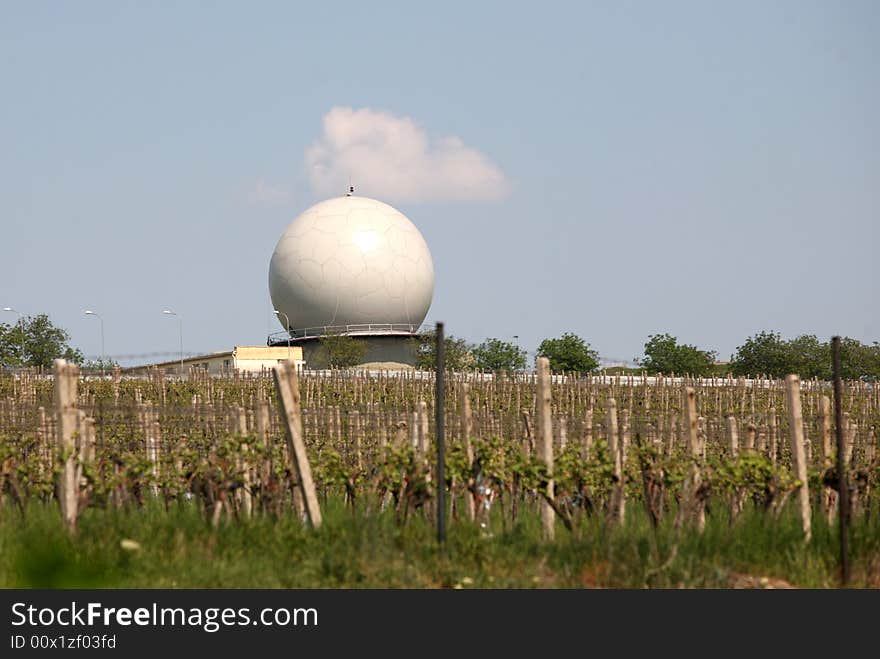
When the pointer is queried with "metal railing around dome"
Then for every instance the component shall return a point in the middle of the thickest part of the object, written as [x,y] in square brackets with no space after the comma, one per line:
[364,329]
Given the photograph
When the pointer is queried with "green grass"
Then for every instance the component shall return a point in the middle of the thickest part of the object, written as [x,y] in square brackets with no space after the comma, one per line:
[178,549]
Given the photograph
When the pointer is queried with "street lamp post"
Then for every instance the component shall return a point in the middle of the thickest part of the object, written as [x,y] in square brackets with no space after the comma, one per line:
[180,334]
[89,312]
[21,323]
[281,313]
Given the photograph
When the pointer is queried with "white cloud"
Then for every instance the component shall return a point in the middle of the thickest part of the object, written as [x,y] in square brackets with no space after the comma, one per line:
[266,193]
[393,158]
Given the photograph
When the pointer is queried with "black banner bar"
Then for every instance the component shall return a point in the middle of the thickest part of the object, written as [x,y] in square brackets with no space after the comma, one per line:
[398,623]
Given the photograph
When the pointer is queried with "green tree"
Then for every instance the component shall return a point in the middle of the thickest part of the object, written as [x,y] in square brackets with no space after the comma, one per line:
[663,354]
[35,341]
[458,353]
[11,354]
[857,360]
[808,357]
[340,351]
[569,353]
[498,355]
[767,353]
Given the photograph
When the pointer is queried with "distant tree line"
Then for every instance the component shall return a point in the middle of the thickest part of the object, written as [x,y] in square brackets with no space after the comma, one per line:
[567,353]
[765,353]
[769,354]
[36,341]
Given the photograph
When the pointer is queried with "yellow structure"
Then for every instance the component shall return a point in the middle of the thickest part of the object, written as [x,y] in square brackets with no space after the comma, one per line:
[252,359]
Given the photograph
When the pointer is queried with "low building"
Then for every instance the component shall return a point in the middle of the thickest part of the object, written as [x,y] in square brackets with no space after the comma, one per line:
[250,359]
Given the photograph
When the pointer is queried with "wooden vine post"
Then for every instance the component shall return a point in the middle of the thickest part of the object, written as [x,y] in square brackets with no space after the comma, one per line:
[829,494]
[732,437]
[772,435]
[587,441]
[356,438]
[287,383]
[422,435]
[545,443]
[244,465]
[261,419]
[614,452]
[692,507]
[738,495]
[85,445]
[414,430]
[67,420]
[466,430]
[672,434]
[43,441]
[622,451]
[798,456]
[750,437]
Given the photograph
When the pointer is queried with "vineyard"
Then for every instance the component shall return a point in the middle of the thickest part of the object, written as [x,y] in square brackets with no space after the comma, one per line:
[329,479]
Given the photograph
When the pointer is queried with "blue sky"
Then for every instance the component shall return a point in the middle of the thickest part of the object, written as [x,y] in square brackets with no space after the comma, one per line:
[705,169]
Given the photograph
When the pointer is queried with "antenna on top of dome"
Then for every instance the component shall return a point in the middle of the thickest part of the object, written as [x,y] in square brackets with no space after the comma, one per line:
[350,187]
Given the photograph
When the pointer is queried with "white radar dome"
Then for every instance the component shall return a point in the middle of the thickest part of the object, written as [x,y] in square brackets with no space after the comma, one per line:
[351,261]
